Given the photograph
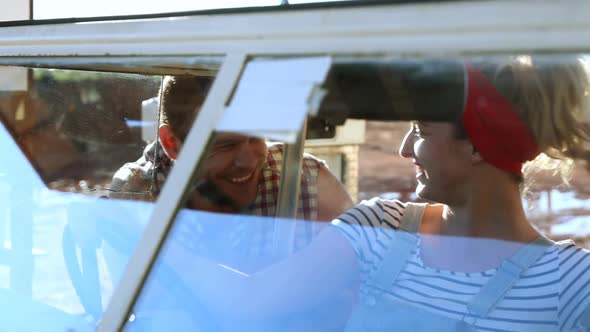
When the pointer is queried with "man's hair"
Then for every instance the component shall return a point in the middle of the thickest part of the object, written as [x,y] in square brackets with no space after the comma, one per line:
[181,98]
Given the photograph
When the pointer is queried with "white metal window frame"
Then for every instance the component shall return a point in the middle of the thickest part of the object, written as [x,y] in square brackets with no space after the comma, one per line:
[453,28]
[170,198]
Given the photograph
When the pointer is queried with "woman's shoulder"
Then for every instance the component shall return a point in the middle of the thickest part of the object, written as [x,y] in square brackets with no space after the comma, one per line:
[380,211]
[381,202]
[574,278]
[569,252]
[573,263]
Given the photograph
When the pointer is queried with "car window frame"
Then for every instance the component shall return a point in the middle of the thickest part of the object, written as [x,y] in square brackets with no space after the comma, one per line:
[507,27]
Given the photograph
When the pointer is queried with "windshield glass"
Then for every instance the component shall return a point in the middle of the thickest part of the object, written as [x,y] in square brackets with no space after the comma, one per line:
[65,136]
[470,179]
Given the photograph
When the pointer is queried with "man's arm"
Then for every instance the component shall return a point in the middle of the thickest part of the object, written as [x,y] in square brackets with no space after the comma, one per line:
[333,200]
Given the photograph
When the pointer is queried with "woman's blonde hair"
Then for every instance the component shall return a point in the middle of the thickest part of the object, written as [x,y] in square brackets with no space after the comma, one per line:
[550,94]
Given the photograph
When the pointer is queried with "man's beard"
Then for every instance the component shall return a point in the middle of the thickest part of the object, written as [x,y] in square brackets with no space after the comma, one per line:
[214,195]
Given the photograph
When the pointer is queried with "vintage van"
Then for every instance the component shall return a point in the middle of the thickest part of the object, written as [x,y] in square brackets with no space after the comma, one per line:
[79,98]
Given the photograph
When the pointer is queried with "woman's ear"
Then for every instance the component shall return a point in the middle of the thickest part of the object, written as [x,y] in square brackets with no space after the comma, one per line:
[170,143]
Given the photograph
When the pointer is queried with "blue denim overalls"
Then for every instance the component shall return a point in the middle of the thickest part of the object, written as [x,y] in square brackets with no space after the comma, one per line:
[377,313]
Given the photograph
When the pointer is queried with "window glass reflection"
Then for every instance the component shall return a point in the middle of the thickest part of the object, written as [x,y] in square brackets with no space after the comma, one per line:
[63,135]
[466,231]
[238,179]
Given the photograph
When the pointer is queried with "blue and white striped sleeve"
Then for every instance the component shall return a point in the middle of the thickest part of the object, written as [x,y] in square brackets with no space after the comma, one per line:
[369,226]
[574,297]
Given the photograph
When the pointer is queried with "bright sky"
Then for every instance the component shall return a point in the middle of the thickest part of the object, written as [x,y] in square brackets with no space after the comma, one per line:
[46,9]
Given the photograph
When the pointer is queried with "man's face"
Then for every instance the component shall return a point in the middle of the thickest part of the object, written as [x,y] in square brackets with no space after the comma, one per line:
[233,165]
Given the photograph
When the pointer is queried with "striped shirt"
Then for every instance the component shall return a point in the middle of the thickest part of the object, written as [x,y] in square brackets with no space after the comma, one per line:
[551,295]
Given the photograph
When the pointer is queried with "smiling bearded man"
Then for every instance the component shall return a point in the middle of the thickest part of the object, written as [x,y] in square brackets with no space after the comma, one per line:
[238,174]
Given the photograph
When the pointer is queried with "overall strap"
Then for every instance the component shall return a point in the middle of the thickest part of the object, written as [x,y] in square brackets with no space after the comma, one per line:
[508,273]
[412,217]
[402,246]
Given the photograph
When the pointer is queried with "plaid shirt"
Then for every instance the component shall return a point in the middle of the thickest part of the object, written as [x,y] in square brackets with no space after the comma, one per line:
[268,186]
[260,239]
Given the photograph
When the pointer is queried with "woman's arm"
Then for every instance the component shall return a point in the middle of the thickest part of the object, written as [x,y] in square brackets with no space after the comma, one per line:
[324,269]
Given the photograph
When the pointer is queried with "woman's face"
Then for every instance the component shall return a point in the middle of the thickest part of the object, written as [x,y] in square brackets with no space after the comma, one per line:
[442,161]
